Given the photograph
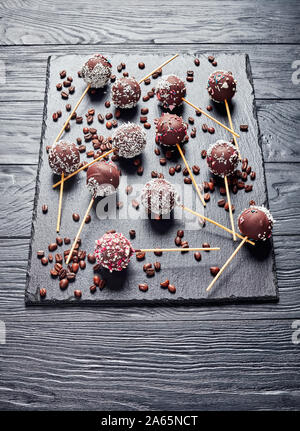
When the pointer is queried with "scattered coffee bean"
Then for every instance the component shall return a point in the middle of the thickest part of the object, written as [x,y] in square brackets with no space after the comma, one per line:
[164,284]
[252,175]
[206,245]
[135,204]
[77,293]
[162,161]
[154,174]
[252,202]
[157,266]
[53,273]
[141,65]
[140,170]
[132,233]
[91,258]
[64,283]
[206,197]
[158,253]
[244,127]
[67,240]
[58,267]
[93,288]
[147,81]
[96,280]
[172,171]
[143,119]
[248,188]
[196,169]
[140,255]
[177,241]
[143,287]
[214,63]
[88,218]
[76,217]
[214,270]
[211,130]
[52,246]
[71,276]
[171,288]
[197,62]
[209,108]
[40,254]
[150,272]
[44,209]
[50,258]
[147,266]
[197,256]
[59,86]
[64,95]
[221,202]
[188,180]
[147,125]
[128,190]
[43,292]
[82,264]
[178,168]
[63,74]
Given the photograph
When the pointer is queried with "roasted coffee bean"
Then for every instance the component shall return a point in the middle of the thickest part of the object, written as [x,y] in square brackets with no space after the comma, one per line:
[64,95]
[187,180]
[154,174]
[150,272]
[58,266]
[113,78]
[248,188]
[135,204]
[77,293]
[189,78]
[43,292]
[196,169]
[146,98]
[75,267]
[93,288]
[82,264]
[197,62]
[234,189]
[50,258]
[155,75]
[147,81]
[140,170]
[76,217]
[211,186]
[222,191]
[97,267]
[204,127]
[67,240]
[147,125]
[143,287]
[44,261]
[141,65]
[40,254]
[226,207]
[68,107]
[203,154]
[111,231]
[79,120]
[209,108]
[252,175]
[100,118]
[151,93]
[96,280]
[59,241]
[64,283]
[90,153]
[90,119]
[132,233]
[71,276]
[162,161]
[144,111]
[143,119]
[140,255]
[244,176]
[252,202]
[53,273]
[88,218]
[185,172]
[109,116]
[157,266]
[91,258]
[221,202]
[172,171]
[59,86]
[197,256]
[109,125]
[68,127]
[52,246]
[62,273]
[66,84]
[248,170]
[178,168]
[214,270]
[102,284]
[206,197]
[244,127]
[240,185]
[206,245]
[171,288]
[147,266]
[211,58]
[63,74]
[158,253]
[164,284]
[44,208]
[128,189]
[211,130]
[55,116]
[177,241]
[214,63]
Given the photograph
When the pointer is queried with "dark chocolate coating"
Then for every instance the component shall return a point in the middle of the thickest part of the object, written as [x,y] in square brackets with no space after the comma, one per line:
[64,157]
[256,223]
[102,178]
[170,90]
[126,92]
[221,86]
[222,158]
[170,129]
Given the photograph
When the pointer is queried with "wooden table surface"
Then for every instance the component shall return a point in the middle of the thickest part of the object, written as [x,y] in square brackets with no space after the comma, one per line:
[219,357]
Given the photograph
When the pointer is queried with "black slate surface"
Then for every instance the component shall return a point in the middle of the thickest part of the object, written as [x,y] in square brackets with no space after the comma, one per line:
[251,275]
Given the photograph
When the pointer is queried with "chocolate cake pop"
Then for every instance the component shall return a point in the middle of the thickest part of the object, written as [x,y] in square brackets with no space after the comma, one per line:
[102,178]
[96,71]
[170,129]
[63,157]
[113,251]
[221,86]
[159,196]
[256,223]
[170,90]
[129,139]
[222,158]
[126,93]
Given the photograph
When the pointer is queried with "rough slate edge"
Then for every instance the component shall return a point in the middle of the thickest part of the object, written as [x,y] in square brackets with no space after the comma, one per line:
[34,298]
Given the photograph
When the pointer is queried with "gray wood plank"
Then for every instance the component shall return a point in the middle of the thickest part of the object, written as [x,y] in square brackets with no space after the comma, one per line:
[25,67]
[247,365]
[20,123]
[13,266]
[17,187]
[41,22]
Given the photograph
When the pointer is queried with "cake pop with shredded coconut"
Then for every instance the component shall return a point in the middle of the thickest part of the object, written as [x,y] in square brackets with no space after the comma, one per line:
[102,178]
[129,139]
[222,158]
[96,71]
[126,93]
[159,196]
[64,157]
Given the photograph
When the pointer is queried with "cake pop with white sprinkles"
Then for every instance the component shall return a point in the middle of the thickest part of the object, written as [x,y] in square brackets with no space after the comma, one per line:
[64,157]
[256,223]
[222,158]
[221,86]
[159,196]
[102,178]
[170,129]
[129,139]
[113,251]
[125,93]
[170,90]
[96,71]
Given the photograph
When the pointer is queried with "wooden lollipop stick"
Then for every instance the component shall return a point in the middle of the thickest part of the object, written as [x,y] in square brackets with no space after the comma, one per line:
[159,67]
[84,167]
[177,249]
[227,263]
[213,222]
[60,202]
[74,109]
[211,118]
[80,229]
[230,209]
[231,125]
[191,175]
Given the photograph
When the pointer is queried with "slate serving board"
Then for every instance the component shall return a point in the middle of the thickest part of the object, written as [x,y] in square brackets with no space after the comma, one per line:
[251,275]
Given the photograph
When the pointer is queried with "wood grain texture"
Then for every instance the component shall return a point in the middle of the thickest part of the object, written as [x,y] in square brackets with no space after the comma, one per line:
[124,366]
[20,123]
[41,22]
[13,265]
[271,65]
